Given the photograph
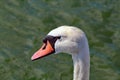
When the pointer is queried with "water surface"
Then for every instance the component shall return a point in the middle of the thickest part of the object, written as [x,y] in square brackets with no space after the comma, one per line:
[24,23]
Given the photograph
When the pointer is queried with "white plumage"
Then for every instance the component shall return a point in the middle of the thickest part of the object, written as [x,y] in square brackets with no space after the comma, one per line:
[74,41]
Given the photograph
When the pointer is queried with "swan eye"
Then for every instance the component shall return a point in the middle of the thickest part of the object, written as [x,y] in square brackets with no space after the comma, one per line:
[58,37]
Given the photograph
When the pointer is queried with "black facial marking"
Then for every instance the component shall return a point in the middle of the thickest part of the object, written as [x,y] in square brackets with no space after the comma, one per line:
[51,39]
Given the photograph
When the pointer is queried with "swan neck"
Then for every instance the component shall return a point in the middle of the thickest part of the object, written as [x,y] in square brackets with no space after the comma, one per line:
[81,66]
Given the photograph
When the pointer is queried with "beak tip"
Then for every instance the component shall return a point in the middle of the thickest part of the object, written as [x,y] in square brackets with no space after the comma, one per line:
[32,58]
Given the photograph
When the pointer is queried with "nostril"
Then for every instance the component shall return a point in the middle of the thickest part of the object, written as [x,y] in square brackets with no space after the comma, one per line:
[44,47]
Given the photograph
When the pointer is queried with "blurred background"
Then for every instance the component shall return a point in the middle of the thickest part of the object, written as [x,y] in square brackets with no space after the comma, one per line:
[24,23]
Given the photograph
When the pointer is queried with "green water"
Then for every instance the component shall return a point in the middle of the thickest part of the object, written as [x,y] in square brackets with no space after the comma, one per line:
[24,23]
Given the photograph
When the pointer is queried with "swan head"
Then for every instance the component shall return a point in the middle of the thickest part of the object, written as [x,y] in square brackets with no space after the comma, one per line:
[65,39]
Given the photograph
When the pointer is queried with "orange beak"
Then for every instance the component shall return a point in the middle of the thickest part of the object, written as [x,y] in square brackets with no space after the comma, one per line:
[45,50]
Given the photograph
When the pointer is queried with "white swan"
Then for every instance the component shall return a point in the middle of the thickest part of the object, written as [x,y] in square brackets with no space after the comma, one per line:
[70,40]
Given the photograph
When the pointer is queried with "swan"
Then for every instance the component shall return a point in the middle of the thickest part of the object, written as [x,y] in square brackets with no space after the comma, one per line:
[71,40]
